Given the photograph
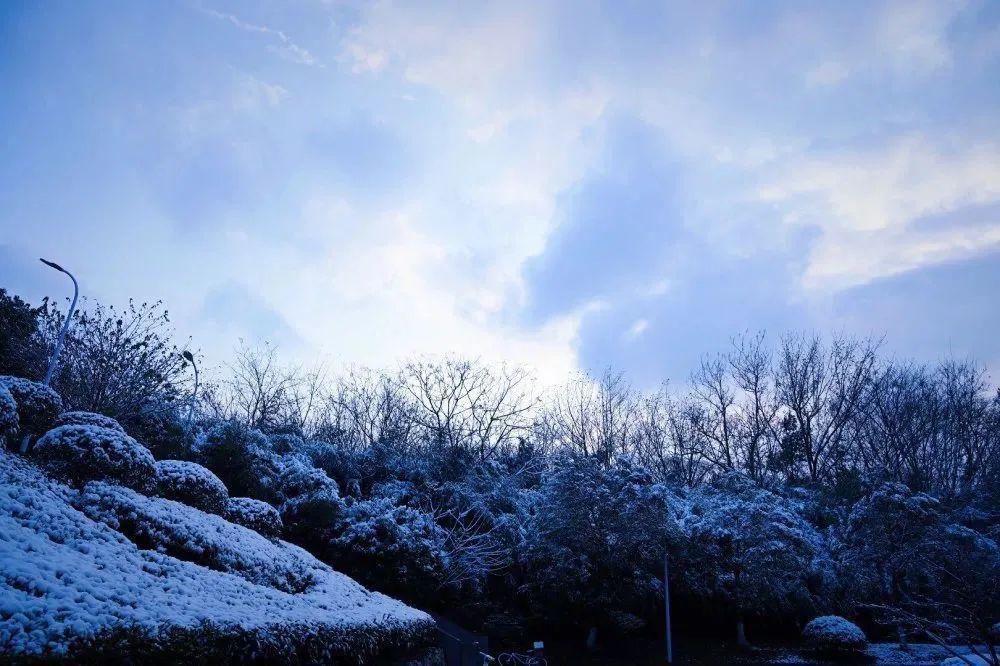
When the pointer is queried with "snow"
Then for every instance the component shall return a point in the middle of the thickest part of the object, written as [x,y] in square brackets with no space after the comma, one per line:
[37,404]
[65,578]
[82,453]
[191,484]
[258,516]
[966,660]
[88,418]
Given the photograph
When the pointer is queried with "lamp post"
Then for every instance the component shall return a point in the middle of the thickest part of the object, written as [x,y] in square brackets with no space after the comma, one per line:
[54,361]
[188,356]
[666,601]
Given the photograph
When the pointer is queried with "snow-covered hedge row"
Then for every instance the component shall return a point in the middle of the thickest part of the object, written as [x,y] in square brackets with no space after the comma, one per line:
[833,634]
[253,514]
[8,416]
[194,536]
[37,404]
[81,453]
[191,484]
[76,589]
[88,418]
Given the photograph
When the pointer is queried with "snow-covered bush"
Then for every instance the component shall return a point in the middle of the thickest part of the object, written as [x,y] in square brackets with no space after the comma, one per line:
[749,549]
[88,419]
[37,404]
[8,416]
[191,484]
[82,453]
[310,499]
[253,514]
[396,545]
[834,635]
[77,591]
[242,458]
[192,535]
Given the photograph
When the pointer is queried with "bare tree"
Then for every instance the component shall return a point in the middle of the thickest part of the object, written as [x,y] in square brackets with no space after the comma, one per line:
[465,404]
[258,389]
[822,389]
[596,417]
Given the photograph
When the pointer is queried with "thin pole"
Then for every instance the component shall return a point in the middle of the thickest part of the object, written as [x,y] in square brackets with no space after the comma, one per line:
[666,604]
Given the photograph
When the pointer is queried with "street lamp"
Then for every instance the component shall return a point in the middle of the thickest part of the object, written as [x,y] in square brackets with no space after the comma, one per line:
[188,356]
[65,327]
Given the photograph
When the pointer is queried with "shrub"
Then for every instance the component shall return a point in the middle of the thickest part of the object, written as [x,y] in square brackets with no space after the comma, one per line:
[82,453]
[833,634]
[88,419]
[37,404]
[191,484]
[191,535]
[242,458]
[8,416]
[253,514]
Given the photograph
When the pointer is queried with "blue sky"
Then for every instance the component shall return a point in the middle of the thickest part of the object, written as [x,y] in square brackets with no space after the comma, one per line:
[568,185]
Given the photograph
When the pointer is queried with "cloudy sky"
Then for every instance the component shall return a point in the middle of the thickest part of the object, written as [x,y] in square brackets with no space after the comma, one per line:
[561,184]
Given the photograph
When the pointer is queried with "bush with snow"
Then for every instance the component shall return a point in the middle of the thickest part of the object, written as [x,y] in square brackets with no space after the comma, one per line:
[194,536]
[8,416]
[77,590]
[88,419]
[253,514]
[37,404]
[241,457]
[81,453]
[834,635]
[191,484]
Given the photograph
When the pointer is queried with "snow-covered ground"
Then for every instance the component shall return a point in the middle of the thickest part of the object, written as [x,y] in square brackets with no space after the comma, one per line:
[67,576]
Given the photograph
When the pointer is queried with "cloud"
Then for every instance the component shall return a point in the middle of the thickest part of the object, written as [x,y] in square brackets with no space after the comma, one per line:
[864,201]
[284,47]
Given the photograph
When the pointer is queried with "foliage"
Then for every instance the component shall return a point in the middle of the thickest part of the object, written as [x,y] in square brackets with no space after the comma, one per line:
[22,353]
[80,453]
[191,484]
[253,514]
[88,419]
[832,634]
[9,424]
[37,404]
[116,361]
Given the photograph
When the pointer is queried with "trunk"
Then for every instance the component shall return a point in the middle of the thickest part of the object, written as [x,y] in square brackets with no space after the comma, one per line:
[901,636]
[592,638]
[741,636]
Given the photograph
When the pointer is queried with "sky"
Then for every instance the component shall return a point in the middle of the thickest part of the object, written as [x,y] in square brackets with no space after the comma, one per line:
[563,185]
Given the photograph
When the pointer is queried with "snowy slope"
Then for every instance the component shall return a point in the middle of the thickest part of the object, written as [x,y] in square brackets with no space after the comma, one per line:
[67,579]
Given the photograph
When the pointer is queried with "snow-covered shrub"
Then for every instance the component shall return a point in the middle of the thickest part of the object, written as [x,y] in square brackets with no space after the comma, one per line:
[8,416]
[37,404]
[253,514]
[191,484]
[192,535]
[242,458]
[88,419]
[74,590]
[284,443]
[160,426]
[82,453]
[834,635]
[396,545]
[311,499]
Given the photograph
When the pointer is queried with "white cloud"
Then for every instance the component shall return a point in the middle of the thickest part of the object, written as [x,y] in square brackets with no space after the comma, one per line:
[864,202]
[284,47]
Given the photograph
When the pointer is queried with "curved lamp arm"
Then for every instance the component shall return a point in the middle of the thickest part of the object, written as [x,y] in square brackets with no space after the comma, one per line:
[54,361]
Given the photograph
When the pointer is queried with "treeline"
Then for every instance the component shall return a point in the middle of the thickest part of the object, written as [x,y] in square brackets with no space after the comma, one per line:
[783,480]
